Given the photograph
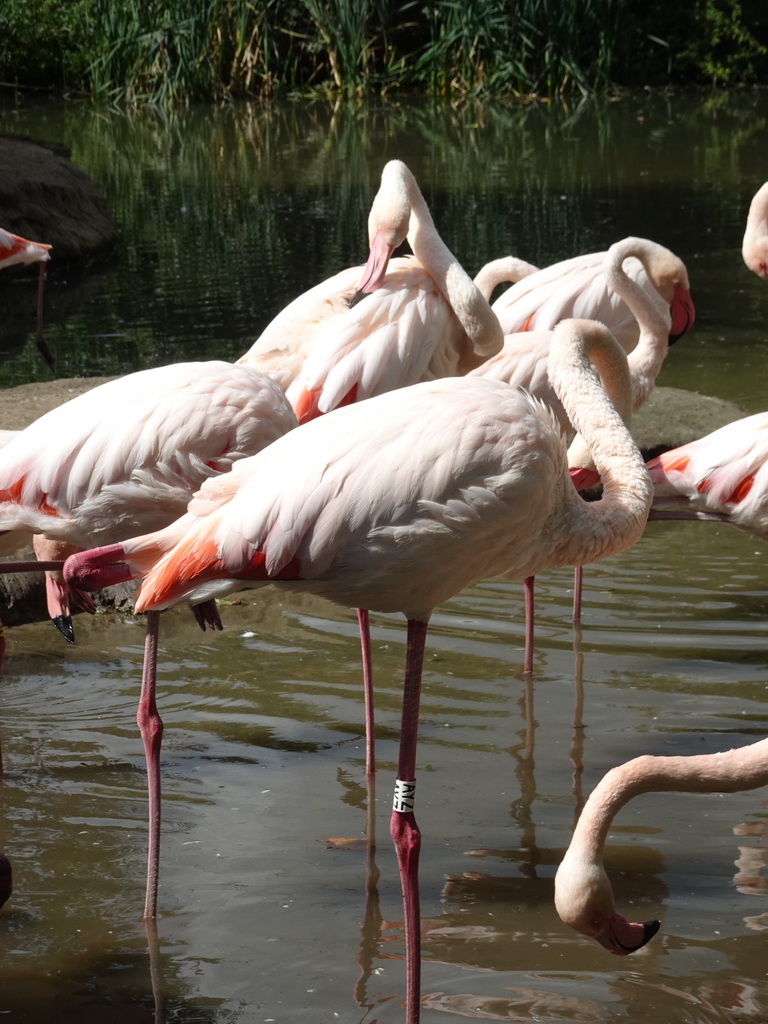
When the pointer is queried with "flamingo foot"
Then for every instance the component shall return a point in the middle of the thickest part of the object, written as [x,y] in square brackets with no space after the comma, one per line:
[207,615]
[63,624]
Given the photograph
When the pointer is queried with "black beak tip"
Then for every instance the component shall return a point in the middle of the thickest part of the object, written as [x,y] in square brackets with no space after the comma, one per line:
[63,624]
[649,930]
[359,294]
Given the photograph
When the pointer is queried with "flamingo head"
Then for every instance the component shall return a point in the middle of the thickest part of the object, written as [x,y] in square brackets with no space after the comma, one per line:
[757,261]
[682,312]
[388,224]
[584,900]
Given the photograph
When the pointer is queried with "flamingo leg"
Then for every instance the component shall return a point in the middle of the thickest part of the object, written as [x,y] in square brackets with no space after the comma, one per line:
[529,613]
[42,346]
[578,582]
[403,828]
[365,646]
[151,729]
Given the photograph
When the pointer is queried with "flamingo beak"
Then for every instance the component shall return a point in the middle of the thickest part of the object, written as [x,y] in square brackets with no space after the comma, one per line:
[584,479]
[375,269]
[621,937]
[682,312]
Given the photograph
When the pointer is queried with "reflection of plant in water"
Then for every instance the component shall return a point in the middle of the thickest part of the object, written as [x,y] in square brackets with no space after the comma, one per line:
[227,213]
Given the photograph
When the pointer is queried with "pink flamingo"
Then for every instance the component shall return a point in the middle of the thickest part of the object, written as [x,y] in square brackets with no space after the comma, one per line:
[126,457]
[396,504]
[583,892]
[13,250]
[754,247]
[523,360]
[578,287]
[723,476]
[384,326]
[390,324]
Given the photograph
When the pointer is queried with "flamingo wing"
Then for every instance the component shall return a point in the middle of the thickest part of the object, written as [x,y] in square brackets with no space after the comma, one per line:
[401,334]
[725,472]
[574,288]
[285,343]
[438,474]
[125,457]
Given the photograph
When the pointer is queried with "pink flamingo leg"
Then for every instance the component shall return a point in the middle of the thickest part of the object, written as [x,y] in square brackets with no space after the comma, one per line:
[42,345]
[528,592]
[578,581]
[151,729]
[365,646]
[403,828]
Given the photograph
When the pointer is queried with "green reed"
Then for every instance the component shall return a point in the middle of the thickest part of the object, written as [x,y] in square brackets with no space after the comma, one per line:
[165,51]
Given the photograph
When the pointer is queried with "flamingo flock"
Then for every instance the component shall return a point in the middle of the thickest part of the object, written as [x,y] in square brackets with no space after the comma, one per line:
[390,439]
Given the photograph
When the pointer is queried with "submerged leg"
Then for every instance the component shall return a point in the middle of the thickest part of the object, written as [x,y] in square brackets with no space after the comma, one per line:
[403,828]
[151,729]
[578,582]
[365,647]
[42,346]
[528,592]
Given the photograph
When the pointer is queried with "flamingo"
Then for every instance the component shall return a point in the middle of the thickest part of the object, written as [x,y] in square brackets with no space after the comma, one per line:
[390,324]
[583,893]
[578,287]
[396,504]
[384,326]
[754,247]
[523,360]
[126,457]
[15,249]
[723,476]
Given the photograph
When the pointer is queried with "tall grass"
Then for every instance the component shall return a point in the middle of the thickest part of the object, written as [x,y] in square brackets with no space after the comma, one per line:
[184,50]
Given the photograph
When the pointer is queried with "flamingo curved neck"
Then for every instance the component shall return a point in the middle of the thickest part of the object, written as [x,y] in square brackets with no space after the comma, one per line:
[727,771]
[505,269]
[618,519]
[646,359]
[459,290]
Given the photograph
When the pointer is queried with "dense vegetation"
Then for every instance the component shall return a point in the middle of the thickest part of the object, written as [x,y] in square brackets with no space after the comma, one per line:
[181,50]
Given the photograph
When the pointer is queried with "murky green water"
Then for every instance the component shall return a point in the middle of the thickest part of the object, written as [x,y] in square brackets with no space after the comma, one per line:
[269,911]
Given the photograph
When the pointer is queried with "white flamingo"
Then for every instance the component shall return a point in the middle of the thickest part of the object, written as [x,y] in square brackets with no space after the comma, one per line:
[389,324]
[14,250]
[578,287]
[396,504]
[523,360]
[583,892]
[126,457]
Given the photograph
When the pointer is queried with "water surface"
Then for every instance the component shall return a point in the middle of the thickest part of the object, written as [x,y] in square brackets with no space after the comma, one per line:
[273,908]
